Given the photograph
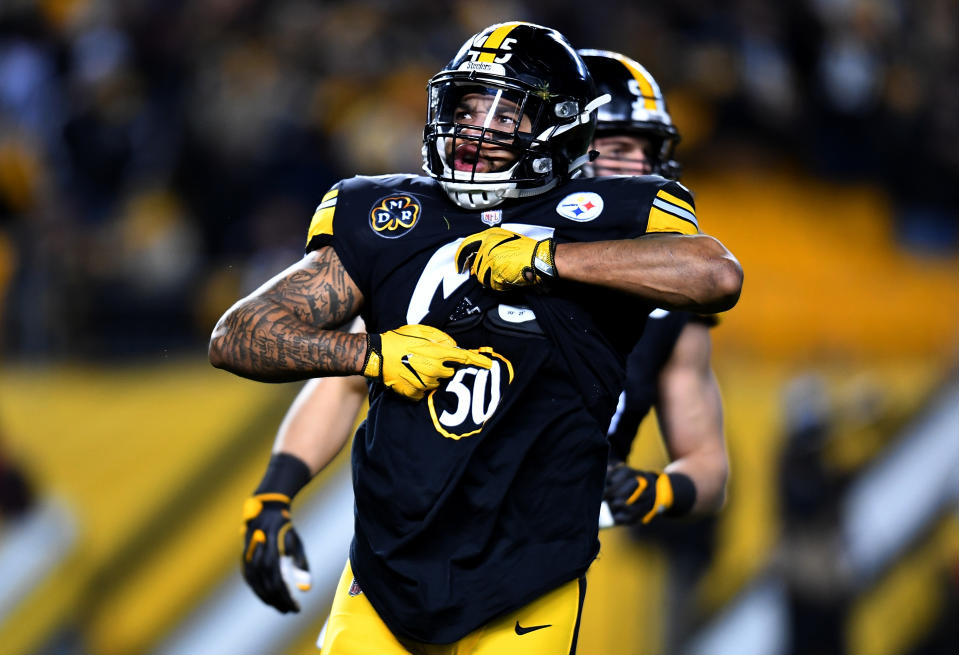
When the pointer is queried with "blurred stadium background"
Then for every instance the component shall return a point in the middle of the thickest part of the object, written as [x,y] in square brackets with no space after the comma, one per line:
[159,158]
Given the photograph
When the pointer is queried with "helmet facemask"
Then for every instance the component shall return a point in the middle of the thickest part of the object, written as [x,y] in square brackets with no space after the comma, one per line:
[657,155]
[479,135]
[488,138]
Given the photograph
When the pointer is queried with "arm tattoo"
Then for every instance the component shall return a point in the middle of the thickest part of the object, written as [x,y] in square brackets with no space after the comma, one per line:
[284,330]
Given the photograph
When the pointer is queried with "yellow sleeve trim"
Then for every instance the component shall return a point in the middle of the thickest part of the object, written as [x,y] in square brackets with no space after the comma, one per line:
[676,201]
[660,221]
[322,222]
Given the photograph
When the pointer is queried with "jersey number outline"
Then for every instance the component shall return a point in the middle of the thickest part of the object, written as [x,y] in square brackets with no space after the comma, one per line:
[474,403]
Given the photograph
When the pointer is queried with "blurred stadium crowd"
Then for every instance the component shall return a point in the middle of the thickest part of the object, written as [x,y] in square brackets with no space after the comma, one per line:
[156,157]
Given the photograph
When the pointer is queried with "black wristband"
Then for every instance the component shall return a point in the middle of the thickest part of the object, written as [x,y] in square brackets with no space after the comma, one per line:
[612,461]
[285,474]
[684,494]
[374,348]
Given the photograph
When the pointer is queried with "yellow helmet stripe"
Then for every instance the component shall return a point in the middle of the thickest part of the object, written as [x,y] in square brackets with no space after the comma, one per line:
[495,40]
[646,85]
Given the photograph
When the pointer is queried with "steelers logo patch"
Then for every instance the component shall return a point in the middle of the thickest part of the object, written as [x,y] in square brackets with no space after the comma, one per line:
[581,206]
[461,406]
[393,216]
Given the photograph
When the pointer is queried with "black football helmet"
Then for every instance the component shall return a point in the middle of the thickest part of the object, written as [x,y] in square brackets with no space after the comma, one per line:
[637,106]
[520,91]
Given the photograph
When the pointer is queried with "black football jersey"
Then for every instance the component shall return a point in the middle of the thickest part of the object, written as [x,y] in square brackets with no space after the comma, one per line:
[485,494]
[643,366]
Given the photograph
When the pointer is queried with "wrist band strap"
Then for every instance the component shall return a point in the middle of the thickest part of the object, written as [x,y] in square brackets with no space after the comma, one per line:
[684,494]
[285,474]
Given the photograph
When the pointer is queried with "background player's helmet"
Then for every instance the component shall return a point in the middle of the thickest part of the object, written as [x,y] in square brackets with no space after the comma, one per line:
[637,106]
[533,68]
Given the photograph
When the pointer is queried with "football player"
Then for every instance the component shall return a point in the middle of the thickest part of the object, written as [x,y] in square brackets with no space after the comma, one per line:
[670,366]
[494,357]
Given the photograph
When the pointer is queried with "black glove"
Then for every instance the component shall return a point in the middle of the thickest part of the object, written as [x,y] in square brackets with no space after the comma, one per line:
[637,496]
[274,561]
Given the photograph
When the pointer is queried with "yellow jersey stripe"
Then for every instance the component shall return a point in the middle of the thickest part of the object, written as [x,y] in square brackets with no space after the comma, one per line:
[660,221]
[670,208]
[495,40]
[668,197]
[322,222]
[332,193]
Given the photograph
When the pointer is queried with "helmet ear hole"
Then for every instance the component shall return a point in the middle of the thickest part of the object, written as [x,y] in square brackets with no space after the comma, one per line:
[566,109]
[542,165]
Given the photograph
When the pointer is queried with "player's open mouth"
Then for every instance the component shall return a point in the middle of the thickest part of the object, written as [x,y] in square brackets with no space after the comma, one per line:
[467,156]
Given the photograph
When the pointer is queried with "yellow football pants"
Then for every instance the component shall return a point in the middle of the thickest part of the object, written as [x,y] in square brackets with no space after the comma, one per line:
[547,626]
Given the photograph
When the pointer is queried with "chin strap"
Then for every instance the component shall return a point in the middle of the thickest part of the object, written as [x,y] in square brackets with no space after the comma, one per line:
[526,193]
[477,199]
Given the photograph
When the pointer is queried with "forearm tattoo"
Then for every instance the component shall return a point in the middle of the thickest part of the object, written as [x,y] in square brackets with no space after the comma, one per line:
[282,331]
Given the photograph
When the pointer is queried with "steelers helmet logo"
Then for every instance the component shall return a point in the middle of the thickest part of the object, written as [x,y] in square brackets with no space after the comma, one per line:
[393,216]
[461,406]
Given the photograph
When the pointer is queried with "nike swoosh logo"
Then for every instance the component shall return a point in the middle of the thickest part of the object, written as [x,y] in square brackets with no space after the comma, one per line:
[520,630]
[504,242]
[406,362]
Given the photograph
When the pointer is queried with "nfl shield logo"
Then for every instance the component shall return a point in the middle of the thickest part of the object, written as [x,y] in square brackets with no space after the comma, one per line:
[492,217]
[355,588]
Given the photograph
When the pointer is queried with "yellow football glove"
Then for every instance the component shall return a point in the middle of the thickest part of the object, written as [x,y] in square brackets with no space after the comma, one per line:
[412,359]
[504,260]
